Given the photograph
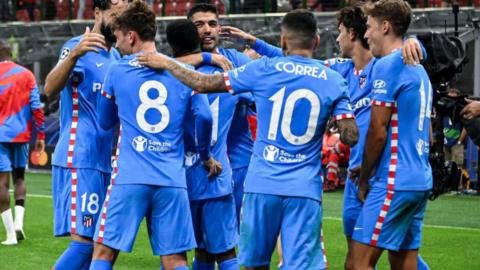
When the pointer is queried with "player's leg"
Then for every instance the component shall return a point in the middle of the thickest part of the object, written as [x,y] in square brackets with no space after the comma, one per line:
[122,213]
[170,210]
[20,158]
[351,210]
[259,229]
[238,177]
[302,239]
[422,264]
[407,257]
[202,259]
[6,212]
[77,210]
[219,227]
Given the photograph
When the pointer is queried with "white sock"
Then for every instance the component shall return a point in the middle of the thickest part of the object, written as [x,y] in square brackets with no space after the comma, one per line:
[7,219]
[19,213]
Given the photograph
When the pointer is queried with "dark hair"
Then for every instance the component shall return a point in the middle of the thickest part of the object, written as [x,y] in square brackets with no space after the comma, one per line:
[137,17]
[203,7]
[397,12]
[5,50]
[301,27]
[182,36]
[101,4]
[352,17]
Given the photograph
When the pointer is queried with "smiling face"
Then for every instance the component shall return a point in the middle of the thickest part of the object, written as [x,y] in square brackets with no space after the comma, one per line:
[375,36]
[208,29]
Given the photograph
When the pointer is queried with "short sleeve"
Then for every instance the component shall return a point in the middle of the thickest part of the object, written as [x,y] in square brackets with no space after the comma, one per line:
[342,108]
[340,65]
[107,89]
[243,79]
[385,83]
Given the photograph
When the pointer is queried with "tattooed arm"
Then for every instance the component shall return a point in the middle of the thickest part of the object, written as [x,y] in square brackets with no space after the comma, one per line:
[195,80]
[348,131]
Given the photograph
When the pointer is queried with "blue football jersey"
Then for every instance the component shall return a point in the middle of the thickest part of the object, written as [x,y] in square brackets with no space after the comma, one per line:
[407,90]
[239,141]
[360,89]
[82,143]
[295,97]
[151,107]
[222,107]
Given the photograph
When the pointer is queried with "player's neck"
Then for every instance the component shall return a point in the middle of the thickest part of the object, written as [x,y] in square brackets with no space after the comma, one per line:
[391,43]
[361,56]
[146,47]
[300,52]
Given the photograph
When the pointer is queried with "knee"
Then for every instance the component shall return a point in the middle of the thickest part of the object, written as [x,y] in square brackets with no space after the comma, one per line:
[230,254]
[203,255]
[101,252]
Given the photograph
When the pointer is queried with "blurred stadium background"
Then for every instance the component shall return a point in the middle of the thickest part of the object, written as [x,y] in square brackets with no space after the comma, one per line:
[452,230]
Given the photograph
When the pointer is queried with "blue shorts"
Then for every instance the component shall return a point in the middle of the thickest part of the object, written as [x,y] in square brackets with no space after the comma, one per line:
[169,221]
[238,177]
[87,194]
[400,228]
[215,224]
[299,220]
[351,207]
[13,156]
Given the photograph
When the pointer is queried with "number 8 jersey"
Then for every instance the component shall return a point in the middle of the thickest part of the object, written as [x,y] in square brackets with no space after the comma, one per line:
[295,97]
[151,107]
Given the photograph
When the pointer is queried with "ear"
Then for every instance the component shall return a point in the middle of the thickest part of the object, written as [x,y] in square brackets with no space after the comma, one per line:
[386,27]
[317,42]
[283,44]
[97,15]
[132,37]
[351,34]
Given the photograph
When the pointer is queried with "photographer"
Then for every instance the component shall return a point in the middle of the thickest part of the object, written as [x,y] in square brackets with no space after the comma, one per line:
[455,135]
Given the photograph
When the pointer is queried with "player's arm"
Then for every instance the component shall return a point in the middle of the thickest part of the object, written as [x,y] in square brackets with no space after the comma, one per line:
[413,51]
[107,113]
[57,78]
[198,59]
[38,116]
[260,46]
[201,82]
[348,131]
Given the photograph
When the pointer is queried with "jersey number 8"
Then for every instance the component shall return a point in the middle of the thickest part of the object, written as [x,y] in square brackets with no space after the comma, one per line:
[157,103]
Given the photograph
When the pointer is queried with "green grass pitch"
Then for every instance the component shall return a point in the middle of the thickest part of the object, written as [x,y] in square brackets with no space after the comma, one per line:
[451,234]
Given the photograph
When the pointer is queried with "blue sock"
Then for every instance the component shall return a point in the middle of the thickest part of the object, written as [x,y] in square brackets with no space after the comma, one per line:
[422,265]
[199,265]
[86,266]
[230,264]
[101,265]
[75,257]
[181,267]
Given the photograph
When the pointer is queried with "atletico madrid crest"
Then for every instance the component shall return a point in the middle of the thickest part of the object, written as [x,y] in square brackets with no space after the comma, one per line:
[363,80]
[87,221]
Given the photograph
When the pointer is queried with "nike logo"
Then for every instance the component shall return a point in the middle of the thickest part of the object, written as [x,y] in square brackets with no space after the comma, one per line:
[356,229]
[99,64]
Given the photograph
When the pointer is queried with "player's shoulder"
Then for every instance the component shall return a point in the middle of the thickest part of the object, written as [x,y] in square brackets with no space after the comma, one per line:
[338,61]
[209,69]
[69,45]
[236,57]
[392,61]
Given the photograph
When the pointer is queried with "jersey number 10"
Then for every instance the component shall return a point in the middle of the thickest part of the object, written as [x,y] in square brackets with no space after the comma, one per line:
[289,105]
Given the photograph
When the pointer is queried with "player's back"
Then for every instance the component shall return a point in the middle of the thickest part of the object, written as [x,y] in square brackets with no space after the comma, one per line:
[16,89]
[294,97]
[408,91]
[151,108]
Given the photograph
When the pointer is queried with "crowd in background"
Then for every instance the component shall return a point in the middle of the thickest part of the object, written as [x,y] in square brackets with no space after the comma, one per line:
[36,10]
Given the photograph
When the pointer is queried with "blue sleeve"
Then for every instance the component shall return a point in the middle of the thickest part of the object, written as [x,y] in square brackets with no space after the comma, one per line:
[35,98]
[203,124]
[246,98]
[342,108]
[263,48]
[241,59]
[107,111]
[244,78]
[340,65]
[385,75]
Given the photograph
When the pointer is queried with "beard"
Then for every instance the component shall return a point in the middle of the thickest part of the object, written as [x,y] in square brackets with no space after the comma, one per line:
[107,33]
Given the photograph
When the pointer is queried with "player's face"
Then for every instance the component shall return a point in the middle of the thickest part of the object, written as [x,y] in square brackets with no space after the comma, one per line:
[344,41]
[208,29]
[116,7]
[374,36]
[123,43]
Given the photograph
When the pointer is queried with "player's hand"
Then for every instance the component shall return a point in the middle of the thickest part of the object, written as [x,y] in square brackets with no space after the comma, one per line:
[472,109]
[412,52]
[214,167]
[152,60]
[40,146]
[221,61]
[91,42]
[251,53]
[230,31]
[363,190]
[354,173]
